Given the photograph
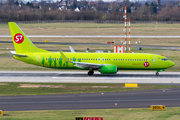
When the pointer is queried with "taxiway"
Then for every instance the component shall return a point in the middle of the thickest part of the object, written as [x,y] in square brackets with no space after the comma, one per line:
[111,100]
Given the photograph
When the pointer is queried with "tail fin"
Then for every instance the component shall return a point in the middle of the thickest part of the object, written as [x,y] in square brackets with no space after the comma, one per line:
[22,44]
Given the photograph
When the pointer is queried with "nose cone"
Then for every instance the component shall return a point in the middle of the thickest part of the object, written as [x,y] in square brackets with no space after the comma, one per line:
[171,63]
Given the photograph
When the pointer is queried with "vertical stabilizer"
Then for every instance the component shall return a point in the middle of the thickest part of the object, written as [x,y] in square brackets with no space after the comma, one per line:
[22,44]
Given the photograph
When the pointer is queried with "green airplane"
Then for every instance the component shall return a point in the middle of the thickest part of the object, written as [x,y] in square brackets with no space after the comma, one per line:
[105,63]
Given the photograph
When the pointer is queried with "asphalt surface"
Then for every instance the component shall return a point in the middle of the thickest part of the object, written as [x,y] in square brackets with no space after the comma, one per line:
[130,99]
[82,77]
[95,36]
[101,44]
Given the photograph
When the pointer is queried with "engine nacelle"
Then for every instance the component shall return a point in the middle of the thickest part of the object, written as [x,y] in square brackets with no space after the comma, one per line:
[110,69]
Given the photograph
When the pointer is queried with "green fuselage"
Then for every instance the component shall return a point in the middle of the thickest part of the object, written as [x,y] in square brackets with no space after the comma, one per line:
[129,61]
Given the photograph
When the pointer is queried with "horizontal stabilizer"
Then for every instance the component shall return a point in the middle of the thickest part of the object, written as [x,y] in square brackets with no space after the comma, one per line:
[20,55]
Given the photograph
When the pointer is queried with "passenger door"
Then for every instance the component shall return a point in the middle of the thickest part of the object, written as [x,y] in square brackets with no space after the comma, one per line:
[154,60]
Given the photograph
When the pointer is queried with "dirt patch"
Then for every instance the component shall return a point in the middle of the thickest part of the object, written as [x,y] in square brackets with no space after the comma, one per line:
[4,84]
[99,86]
[39,85]
[116,86]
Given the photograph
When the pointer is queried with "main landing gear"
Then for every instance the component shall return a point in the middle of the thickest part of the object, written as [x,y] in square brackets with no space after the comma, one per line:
[91,72]
[157,74]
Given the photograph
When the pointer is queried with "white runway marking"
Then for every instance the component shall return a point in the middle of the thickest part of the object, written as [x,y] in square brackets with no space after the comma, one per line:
[96,78]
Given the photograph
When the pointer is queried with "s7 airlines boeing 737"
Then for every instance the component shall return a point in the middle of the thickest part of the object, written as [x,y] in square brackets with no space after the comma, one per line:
[105,63]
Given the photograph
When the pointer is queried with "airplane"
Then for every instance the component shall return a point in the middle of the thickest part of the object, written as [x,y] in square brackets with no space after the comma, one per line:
[105,63]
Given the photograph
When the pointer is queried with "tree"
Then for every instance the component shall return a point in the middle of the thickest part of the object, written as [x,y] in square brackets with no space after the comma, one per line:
[153,8]
[146,4]
[43,61]
[16,3]
[74,6]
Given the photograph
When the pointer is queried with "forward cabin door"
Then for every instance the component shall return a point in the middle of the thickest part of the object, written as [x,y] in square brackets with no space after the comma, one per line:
[154,60]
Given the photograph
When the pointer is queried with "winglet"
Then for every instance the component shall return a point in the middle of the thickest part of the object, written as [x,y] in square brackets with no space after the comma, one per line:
[72,50]
[64,57]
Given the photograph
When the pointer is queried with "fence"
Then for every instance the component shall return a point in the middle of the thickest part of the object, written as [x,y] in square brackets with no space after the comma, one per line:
[92,21]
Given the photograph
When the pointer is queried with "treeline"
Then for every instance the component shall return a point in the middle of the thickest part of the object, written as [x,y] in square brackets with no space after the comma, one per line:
[102,11]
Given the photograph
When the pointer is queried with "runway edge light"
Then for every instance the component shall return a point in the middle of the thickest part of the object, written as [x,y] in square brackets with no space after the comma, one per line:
[79,118]
[158,107]
[1,112]
[131,85]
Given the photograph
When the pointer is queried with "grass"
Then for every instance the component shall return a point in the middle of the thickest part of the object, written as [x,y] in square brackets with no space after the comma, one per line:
[171,113]
[13,89]
[93,29]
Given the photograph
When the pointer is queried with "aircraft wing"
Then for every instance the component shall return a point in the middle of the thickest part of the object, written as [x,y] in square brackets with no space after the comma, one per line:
[82,64]
[87,65]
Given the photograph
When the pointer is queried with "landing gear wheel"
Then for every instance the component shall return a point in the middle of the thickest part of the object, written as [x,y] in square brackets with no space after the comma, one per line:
[90,72]
[157,74]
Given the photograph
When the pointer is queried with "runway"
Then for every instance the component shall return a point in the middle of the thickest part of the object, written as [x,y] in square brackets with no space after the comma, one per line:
[128,99]
[95,36]
[101,44]
[82,77]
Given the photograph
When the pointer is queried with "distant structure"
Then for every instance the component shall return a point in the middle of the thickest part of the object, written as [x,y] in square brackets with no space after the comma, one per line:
[10,1]
[158,2]
[67,3]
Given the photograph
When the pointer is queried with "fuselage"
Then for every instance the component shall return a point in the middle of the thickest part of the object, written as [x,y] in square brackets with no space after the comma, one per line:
[124,61]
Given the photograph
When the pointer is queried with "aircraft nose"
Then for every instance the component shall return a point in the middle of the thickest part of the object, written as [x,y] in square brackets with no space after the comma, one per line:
[171,63]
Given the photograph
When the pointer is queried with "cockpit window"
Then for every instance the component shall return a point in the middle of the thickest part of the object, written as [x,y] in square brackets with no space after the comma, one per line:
[164,59]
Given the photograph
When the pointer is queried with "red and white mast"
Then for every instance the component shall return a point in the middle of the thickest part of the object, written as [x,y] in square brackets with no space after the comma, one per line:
[125,30]
[129,36]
